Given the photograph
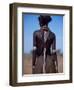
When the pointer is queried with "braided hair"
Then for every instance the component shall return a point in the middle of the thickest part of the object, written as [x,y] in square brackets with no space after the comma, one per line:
[44,20]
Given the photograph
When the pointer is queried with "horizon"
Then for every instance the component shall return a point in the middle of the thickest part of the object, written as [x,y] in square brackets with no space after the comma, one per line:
[31,24]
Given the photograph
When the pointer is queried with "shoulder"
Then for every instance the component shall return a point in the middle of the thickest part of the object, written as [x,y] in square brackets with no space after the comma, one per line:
[53,34]
[36,32]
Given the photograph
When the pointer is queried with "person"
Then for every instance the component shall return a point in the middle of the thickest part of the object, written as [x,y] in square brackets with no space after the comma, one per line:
[44,48]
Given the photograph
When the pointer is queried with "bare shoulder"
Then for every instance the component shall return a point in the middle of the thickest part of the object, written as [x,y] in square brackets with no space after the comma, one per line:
[36,32]
[53,34]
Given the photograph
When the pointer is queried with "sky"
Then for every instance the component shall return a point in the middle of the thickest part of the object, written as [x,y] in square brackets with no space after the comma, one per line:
[31,24]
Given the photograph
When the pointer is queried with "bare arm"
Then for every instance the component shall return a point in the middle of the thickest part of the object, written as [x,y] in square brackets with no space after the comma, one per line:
[54,53]
[34,49]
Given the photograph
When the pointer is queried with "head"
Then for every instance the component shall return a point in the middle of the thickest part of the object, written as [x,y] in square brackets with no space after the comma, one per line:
[44,20]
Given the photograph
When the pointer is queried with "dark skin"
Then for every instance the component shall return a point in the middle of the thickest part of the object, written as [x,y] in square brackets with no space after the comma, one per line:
[53,53]
[50,44]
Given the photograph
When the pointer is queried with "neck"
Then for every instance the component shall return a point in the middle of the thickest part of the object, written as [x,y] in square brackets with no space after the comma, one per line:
[44,28]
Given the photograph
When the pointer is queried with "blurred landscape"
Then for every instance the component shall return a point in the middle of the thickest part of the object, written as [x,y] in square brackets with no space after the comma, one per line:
[27,63]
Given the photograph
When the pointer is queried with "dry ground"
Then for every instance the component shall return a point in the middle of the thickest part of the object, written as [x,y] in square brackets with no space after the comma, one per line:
[27,64]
